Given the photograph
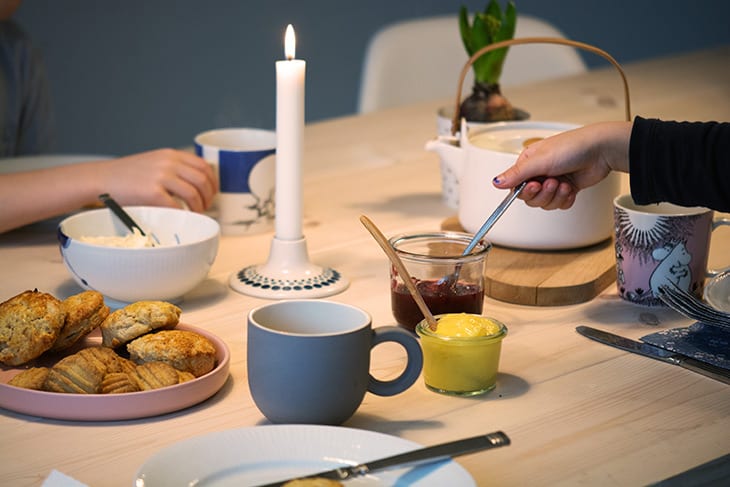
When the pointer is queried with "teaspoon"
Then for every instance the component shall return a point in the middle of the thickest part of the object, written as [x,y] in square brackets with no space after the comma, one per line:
[486,226]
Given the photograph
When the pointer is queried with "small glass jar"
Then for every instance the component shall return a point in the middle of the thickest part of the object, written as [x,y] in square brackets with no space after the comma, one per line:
[460,366]
[448,281]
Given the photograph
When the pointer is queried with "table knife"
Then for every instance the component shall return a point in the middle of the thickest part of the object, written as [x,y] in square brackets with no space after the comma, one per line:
[413,458]
[657,353]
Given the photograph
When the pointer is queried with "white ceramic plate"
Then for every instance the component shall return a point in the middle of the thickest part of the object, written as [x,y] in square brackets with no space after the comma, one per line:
[262,454]
[31,163]
[717,292]
[109,407]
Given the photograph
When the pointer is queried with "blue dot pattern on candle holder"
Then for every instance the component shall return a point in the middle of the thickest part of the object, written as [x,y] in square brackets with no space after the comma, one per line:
[250,277]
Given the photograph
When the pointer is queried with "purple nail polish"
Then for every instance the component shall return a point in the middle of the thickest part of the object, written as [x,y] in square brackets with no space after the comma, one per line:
[496,180]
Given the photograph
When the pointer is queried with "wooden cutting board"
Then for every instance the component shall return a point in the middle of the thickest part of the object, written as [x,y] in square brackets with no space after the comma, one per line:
[546,278]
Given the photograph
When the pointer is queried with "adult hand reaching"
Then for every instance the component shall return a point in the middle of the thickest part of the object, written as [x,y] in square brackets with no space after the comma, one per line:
[561,165]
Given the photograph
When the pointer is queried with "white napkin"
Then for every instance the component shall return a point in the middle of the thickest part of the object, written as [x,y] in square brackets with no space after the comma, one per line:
[58,479]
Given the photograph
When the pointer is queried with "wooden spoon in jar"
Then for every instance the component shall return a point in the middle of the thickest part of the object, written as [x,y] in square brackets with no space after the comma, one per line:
[393,256]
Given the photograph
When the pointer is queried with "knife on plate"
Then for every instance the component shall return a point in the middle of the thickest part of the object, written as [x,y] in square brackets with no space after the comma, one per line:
[413,458]
[657,353]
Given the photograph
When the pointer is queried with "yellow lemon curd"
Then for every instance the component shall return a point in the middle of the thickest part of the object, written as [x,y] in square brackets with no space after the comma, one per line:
[462,356]
[466,325]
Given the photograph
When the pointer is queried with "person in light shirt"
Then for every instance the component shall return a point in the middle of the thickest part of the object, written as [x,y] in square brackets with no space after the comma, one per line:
[162,177]
[685,163]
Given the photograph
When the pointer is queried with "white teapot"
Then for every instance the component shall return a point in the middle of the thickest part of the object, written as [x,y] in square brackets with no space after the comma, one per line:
[477,155]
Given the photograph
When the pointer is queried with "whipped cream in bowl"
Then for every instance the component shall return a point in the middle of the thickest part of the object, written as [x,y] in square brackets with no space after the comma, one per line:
[134,240]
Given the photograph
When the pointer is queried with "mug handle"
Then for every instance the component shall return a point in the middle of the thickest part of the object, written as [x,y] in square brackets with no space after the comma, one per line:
[718,222]
[413,367]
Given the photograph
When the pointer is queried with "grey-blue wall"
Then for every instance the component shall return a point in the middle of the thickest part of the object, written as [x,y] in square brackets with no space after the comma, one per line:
[134,75]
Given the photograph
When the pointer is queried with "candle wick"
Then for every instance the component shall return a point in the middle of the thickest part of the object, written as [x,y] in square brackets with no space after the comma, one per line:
[289,57]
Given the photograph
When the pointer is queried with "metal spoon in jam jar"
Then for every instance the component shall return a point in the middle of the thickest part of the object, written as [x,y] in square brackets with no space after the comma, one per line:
[479,235]
[513,194]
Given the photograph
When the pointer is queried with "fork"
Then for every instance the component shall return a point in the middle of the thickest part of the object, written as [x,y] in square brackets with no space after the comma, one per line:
[691,307]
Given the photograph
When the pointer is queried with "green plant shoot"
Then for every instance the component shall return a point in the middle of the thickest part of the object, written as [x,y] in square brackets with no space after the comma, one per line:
[492,25]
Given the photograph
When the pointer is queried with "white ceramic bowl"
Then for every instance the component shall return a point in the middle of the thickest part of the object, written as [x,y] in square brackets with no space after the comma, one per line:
[189,244]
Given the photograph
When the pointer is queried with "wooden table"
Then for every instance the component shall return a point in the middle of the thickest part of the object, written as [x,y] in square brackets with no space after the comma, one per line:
[578,412]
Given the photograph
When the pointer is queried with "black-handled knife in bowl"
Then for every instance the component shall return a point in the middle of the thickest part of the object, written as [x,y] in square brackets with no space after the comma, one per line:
[124,217]
[413,458]
[657,353]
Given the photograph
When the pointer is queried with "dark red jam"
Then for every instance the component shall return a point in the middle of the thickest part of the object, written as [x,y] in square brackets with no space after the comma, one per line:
[440,296]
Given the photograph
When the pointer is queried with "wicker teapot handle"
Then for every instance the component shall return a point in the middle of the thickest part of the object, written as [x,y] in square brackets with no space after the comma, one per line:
[535,40]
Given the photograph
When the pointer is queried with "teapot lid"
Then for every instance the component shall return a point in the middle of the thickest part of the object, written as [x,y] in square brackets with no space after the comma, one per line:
[513,137]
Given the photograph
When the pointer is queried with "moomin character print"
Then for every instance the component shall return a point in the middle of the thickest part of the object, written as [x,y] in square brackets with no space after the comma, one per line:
[673,267]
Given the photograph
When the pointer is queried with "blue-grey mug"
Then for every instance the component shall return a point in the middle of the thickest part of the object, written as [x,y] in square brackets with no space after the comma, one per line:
[309,360]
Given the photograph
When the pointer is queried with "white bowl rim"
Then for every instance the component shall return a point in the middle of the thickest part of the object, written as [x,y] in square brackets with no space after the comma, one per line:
[62,233]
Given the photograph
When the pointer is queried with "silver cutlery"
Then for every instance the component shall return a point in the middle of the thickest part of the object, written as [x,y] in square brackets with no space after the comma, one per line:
[124,217]
[691,307]
[657,353]
[413,458]
[496,214]
[486,226]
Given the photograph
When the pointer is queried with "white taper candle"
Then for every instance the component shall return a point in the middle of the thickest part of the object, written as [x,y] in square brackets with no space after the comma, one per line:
[290,74]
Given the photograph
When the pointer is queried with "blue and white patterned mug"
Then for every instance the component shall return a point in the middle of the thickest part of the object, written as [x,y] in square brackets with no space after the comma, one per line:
[244,160]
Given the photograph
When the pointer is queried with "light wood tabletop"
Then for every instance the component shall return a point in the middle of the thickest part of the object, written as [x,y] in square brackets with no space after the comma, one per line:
[577,412]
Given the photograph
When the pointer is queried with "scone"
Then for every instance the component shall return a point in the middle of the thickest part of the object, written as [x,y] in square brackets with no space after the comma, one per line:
[136,319]
[32,378]
[185,350]
[30,323]
[84,312]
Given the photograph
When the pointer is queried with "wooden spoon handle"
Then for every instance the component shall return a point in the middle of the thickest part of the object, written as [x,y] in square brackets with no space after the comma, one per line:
[395,259]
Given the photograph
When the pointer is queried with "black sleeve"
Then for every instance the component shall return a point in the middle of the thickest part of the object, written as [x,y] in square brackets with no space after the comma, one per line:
[685,163]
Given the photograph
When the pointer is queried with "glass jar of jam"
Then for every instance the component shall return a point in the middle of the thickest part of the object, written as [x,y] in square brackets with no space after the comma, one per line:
[449,281]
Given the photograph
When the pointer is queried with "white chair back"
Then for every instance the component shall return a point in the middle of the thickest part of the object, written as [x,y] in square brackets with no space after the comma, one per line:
[421,59]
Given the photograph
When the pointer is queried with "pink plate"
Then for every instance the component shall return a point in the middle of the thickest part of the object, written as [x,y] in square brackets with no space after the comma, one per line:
[110,407]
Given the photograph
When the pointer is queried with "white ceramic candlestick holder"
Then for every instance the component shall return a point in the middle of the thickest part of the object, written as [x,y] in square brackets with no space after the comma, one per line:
[288,274]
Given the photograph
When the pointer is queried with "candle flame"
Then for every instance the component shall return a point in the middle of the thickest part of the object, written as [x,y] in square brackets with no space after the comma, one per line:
[290,43]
